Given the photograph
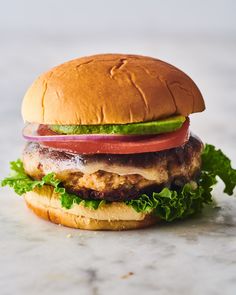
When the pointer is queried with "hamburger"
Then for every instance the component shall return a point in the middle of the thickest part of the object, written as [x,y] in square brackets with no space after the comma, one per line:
[109,147]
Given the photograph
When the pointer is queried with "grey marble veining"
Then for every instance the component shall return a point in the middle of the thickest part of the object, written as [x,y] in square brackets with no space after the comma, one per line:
[192,257]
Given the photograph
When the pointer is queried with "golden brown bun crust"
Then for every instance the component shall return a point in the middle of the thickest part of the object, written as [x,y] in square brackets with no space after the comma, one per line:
[110,88]
[46,206]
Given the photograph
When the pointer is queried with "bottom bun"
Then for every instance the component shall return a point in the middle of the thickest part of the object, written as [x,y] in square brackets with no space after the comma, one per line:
[113,216]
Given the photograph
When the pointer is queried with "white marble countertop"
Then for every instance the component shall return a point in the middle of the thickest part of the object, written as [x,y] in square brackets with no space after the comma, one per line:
[196,256]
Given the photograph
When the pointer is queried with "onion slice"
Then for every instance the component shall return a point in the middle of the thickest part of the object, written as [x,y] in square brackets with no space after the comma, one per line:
[41,133]
[107,144]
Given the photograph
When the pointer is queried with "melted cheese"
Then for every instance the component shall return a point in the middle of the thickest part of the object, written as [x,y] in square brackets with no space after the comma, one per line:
[158,174]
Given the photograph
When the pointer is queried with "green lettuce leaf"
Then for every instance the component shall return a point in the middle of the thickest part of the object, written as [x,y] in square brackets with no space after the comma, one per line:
[170,205]
[22,183]
[167,204]
[216,163]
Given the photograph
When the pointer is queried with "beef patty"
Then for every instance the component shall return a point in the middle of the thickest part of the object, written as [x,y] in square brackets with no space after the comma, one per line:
[116,177]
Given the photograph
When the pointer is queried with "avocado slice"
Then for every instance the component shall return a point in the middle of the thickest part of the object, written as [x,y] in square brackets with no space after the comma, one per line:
[151,127]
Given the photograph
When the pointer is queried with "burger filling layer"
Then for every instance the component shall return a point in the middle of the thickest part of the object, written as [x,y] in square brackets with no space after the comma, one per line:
[116,177]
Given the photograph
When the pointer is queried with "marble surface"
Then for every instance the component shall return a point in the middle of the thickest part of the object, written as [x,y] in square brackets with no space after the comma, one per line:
[196,256]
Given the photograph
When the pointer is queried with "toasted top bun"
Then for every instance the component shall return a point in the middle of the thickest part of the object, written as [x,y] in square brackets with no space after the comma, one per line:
[110,88]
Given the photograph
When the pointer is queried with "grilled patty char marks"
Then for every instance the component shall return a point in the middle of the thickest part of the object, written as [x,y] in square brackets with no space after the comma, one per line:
[85,174]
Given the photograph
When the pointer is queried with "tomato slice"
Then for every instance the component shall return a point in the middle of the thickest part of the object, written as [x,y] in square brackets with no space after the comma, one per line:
[143,144]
